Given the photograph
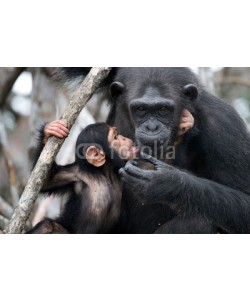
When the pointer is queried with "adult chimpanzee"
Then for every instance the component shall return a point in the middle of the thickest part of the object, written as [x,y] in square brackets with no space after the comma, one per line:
[206,187]
[92,180]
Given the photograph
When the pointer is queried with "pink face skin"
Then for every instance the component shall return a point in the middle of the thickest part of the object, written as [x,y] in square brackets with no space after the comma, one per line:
[122,145]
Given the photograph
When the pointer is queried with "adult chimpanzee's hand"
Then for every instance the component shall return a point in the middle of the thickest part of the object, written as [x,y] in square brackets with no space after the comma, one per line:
[151,186]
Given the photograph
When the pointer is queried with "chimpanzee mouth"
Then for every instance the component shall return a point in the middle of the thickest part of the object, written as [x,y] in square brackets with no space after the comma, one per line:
[128,152]
[152,140]
[134,150]
[154,135]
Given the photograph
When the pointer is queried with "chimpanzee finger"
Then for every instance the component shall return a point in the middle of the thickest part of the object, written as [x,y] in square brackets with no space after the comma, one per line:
[54,133]
[59,126]
[128,178]
[124,176]
[185,120]
[58,130]
[150,158]
[134,162]
[189,124]
[136,172]
[61,123]
[186,113]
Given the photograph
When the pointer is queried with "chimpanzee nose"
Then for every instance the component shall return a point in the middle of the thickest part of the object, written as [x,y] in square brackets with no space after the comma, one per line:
[152,126]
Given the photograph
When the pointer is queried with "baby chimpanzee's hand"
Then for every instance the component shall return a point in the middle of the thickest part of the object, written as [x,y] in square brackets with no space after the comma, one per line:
[186,123]
[55,128]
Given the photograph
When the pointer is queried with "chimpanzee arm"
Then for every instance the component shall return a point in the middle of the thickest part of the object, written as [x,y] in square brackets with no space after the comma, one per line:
[37,152]
[224,206]
[60,177]
[40,145]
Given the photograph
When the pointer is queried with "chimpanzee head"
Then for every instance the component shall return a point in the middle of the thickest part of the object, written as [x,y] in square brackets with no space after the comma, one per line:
[100,144]
[149,103]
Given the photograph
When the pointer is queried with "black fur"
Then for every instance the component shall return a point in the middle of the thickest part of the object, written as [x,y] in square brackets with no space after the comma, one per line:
[94,193]
[210,177]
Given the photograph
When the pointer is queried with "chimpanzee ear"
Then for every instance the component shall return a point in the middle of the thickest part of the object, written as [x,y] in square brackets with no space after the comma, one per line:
[116,88]
[95,156]
[191,91]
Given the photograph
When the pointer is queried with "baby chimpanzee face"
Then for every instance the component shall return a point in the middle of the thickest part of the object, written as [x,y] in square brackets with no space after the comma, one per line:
[122,145]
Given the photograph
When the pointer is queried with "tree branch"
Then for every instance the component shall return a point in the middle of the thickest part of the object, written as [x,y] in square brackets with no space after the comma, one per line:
[9,164]
[8,76]
[5,209]
[40,172]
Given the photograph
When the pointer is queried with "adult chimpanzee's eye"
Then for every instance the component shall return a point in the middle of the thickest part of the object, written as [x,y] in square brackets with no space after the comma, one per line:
[141,108]
[165,109]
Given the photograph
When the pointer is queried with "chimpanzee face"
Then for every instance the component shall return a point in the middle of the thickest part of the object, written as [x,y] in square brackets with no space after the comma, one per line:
[149,103]
[101,143]
[155,118]
[122,145]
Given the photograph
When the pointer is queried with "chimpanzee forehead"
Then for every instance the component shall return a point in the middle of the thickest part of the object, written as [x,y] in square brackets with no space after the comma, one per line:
[152,96]
[151,90]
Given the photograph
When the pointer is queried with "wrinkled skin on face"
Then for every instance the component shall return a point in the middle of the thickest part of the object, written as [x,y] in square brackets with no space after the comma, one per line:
[154,118]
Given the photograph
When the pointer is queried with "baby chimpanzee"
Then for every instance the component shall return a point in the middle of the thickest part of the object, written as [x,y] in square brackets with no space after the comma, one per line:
[92,181]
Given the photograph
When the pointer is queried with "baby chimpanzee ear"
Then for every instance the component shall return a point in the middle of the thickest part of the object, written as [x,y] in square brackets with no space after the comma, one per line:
[95,156]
